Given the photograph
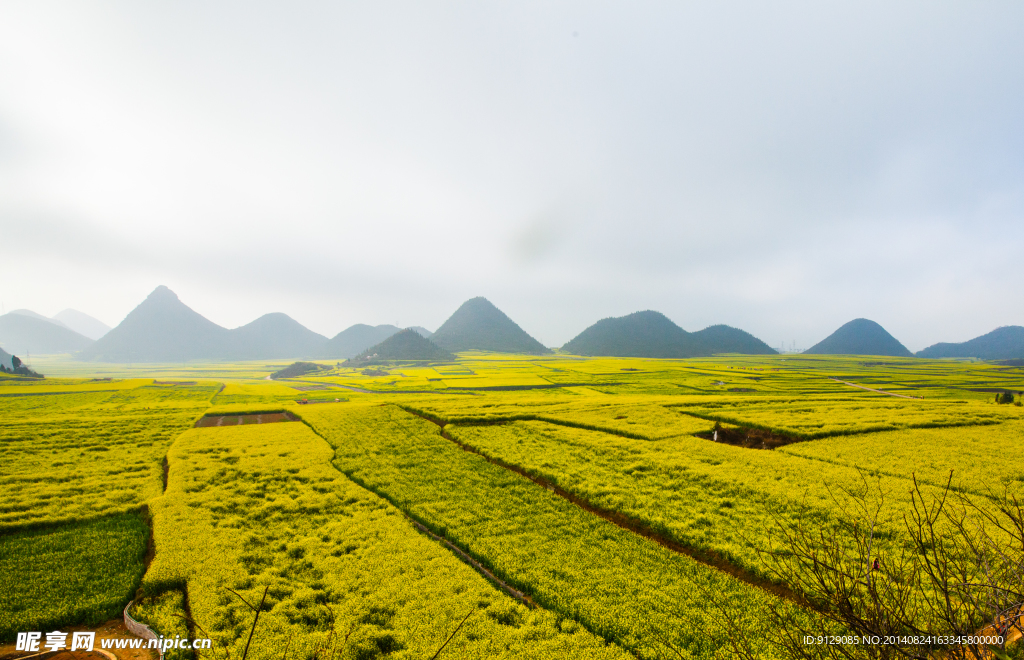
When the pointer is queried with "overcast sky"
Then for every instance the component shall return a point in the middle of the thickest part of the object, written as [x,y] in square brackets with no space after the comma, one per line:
[780,167]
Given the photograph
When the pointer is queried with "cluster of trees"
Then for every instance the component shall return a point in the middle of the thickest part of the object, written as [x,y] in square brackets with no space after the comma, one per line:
[18,368]
[1007,397]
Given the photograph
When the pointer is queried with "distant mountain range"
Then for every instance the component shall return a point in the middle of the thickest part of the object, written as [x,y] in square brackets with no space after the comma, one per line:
[478,325]
[651,334]
[24,333]
[1002,343]
[163,329]
[82,323]
[860,337]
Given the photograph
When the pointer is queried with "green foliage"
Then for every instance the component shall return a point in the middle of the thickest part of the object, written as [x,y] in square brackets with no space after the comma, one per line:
[297,369]
[82,573]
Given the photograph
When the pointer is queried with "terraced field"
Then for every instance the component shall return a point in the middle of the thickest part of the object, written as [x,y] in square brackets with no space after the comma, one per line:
[594,487]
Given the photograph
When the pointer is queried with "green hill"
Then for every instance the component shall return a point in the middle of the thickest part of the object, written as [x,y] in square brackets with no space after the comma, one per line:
[5,360]
[26,333]
[860,337]
[651,334]
[356,339]
[1005,343]
[725,339]
[640,334]
[405,345]
[479,325]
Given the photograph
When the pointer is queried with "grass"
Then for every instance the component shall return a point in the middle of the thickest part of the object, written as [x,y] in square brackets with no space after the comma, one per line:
[82,573]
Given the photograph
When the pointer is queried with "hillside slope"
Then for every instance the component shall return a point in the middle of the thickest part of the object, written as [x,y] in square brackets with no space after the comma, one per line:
[860,337]
[82,323]
[479,325]
[355,339]
[22,333]
[726,339]
[640,334]
[161,329]
[1005,343]
[651,334]
[407,344]
[274,336]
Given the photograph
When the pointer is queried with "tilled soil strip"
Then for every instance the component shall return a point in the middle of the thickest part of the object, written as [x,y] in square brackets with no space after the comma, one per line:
[238,420]
[706,557]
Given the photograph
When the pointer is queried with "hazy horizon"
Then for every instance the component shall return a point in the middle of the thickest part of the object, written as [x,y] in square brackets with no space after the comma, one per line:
[779,168]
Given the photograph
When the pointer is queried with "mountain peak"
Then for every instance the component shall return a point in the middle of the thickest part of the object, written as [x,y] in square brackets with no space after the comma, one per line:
[860,337]
[162,293]
[478,325]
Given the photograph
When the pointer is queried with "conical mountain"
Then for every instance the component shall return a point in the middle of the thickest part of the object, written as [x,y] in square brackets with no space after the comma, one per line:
[651,334]
[479,325]
[356,339]
[274,336]
[22,333]
[1005,343]
[860,337]
[161,329]
[407,344]
[82,323]
[726,339]
[647,334]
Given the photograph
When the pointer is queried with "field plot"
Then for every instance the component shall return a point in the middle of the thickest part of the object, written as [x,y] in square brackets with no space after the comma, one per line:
[635,417]
[78,573]
[260,507]
[578,481]
[621,586]
[79,456]
[817,418]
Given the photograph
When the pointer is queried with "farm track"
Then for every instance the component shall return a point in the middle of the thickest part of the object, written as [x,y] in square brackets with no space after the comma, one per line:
[706,557]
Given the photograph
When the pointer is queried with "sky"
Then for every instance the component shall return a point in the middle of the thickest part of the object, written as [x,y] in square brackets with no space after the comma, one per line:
[780,167]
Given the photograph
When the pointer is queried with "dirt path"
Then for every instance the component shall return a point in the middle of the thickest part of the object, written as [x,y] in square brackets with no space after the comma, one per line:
[869,389]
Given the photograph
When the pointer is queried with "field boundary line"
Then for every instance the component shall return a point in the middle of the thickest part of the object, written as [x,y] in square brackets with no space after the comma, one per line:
[487,573]
[507,588]
[707,557]
[871,389]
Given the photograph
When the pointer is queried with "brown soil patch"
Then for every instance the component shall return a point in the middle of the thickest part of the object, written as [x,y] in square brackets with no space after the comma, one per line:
[748,438]
[238,420]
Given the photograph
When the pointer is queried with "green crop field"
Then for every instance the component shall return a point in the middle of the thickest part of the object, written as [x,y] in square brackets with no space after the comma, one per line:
[592,486]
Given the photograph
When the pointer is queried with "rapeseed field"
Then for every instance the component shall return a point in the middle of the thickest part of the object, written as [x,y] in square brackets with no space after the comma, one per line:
[546,471]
